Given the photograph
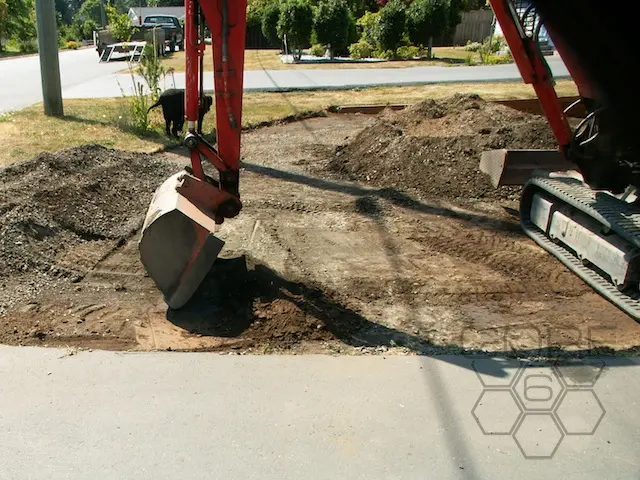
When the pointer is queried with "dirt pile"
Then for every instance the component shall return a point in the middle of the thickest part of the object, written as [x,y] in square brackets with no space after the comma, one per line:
[59,202]
[434,147]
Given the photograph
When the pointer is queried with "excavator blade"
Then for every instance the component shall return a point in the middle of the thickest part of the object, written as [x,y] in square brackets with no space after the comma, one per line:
[514,167]
[177,246]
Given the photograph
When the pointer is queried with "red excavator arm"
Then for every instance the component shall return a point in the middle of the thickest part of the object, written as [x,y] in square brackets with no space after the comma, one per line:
[226,20]
[178,246]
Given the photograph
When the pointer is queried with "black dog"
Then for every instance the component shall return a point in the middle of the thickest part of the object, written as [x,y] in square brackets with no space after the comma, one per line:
[172,102]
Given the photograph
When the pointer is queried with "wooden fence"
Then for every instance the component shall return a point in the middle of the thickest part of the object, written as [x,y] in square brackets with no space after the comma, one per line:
[475,26]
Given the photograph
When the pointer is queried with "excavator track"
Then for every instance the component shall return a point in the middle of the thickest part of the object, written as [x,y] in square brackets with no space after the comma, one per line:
[593,233]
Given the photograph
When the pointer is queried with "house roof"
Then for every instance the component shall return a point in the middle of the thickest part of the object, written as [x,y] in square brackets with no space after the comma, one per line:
[136,12]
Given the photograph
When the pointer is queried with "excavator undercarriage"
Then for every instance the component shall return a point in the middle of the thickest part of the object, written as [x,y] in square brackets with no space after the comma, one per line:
[578,203]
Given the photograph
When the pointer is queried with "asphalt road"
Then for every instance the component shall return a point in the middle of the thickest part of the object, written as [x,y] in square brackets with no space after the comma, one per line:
[20,77]
[329,79]
[167,415]
[84,77]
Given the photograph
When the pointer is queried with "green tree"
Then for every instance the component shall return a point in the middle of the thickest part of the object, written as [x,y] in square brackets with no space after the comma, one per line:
[90,10]
[456,7]
[368,26]
[427,19]
[4,21]
[88,27]
[332,21]
[20,24]
[62,7]
[360,7]
[391,25]
[119,24]
[296,23]
[255,11]
[269,24]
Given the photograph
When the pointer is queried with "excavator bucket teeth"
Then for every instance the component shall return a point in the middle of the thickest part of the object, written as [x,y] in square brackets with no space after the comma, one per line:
[177,246]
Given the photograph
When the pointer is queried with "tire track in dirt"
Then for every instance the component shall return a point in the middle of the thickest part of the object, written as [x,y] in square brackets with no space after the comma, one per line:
[530,271]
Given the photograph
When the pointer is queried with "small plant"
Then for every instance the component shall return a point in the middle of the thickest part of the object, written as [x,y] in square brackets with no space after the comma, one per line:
[473,46]
[362,49]
[318,50]
[408,52]
[72,45]
[152,70]
[469,59]
[385,54]
[497,44]
[136,118]
[28,45]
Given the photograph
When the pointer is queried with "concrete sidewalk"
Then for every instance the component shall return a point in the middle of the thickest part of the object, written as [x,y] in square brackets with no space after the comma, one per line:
[99,415]
[330,79]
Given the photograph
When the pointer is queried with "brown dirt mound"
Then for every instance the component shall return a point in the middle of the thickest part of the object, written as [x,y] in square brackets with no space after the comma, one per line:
[434,147]
[59,201]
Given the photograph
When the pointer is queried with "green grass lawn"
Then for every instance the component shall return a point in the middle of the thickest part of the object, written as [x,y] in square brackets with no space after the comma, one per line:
[28,132]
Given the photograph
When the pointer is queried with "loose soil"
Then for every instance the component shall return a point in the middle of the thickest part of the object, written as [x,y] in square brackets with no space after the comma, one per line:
[434,147]
[411,263]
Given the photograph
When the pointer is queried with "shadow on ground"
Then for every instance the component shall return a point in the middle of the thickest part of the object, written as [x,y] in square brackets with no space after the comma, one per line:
[257,308]
[241,298]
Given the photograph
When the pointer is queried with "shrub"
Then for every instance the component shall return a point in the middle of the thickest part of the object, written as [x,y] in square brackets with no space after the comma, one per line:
[152,70]
[469,59]
[25,45]
[427,19]
[136,118]
[296,22]
[367,26]
[384,54]
[497,44]
[88,27]
[391,25]
[472,46]
[318,50]
[488,55]
[496,59]
[331,24]
[362,49]
[269,23]
[408,52]
[72,45]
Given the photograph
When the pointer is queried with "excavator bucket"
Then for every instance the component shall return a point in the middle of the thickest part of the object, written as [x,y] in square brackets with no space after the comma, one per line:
[177,245]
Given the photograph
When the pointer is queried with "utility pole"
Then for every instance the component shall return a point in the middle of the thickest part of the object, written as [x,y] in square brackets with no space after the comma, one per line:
[48,53]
